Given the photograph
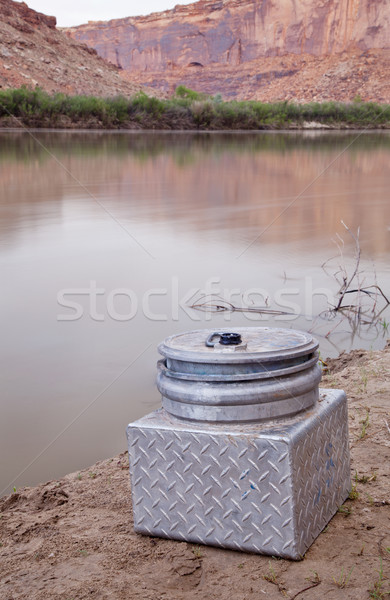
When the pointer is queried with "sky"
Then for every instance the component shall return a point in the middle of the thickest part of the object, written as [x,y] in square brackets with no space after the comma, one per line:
[75,12]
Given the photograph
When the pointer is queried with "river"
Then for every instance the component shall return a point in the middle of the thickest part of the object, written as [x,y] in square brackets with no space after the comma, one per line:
[106,239]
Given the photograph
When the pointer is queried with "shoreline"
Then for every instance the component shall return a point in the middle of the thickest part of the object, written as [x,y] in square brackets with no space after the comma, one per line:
[73,537]
[184,110]
[129,131]
[90,126]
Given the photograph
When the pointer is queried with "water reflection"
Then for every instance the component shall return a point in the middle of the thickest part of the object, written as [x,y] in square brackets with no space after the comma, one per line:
[247,210]
[210,182]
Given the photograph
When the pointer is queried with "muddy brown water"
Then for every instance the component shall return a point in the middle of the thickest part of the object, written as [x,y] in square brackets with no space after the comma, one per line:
[107,238]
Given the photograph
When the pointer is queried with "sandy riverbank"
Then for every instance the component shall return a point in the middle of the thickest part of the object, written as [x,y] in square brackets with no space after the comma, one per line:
[73,538]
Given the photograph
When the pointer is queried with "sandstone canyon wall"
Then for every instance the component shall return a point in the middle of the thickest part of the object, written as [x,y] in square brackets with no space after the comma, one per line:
[232,32]
[34,52]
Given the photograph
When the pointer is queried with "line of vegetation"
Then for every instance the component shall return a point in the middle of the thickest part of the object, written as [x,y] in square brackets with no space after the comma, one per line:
[186,109]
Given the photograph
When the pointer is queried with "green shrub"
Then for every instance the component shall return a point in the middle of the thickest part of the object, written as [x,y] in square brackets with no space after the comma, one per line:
[203,113]
[183,92]
[143,103]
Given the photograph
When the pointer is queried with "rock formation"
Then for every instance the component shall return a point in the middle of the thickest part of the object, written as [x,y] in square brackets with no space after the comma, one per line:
[33,52]
[234,31]
[214,40]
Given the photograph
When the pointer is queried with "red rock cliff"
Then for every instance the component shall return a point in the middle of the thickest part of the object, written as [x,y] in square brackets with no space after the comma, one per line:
[231,32]
[12,13]
[33,52]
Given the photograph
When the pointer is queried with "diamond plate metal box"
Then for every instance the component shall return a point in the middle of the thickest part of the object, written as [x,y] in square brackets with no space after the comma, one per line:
[267,487]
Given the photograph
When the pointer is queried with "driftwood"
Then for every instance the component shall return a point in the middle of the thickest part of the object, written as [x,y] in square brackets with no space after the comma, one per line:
[215,303]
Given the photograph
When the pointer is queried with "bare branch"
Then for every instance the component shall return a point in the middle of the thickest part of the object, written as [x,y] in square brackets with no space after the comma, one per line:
[347,282]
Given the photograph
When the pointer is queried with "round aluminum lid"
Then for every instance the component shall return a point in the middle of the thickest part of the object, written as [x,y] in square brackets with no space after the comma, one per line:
[258,344]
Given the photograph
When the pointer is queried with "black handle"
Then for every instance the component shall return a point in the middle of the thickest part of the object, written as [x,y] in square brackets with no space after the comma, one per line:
[226,339]
[209,342]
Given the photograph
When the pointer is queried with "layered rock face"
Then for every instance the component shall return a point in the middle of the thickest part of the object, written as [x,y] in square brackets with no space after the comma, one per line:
[33,52]
[263,49]
[21,16]
[231,32]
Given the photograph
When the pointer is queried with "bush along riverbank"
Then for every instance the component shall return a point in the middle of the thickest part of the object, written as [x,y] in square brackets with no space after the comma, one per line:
[186,109]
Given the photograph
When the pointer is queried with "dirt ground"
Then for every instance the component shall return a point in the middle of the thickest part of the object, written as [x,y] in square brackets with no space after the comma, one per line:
[73,538]
[293,77]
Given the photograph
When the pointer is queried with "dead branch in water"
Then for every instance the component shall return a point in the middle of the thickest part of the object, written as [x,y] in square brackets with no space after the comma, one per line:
[365,291]
[217,304]
[360,317]
[357,314]
[347,281]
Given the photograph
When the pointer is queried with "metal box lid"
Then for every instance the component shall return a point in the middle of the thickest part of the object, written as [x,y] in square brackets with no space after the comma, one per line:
[257,344]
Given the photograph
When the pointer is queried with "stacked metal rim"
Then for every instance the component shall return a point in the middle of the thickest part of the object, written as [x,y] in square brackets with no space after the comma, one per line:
[248,375]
